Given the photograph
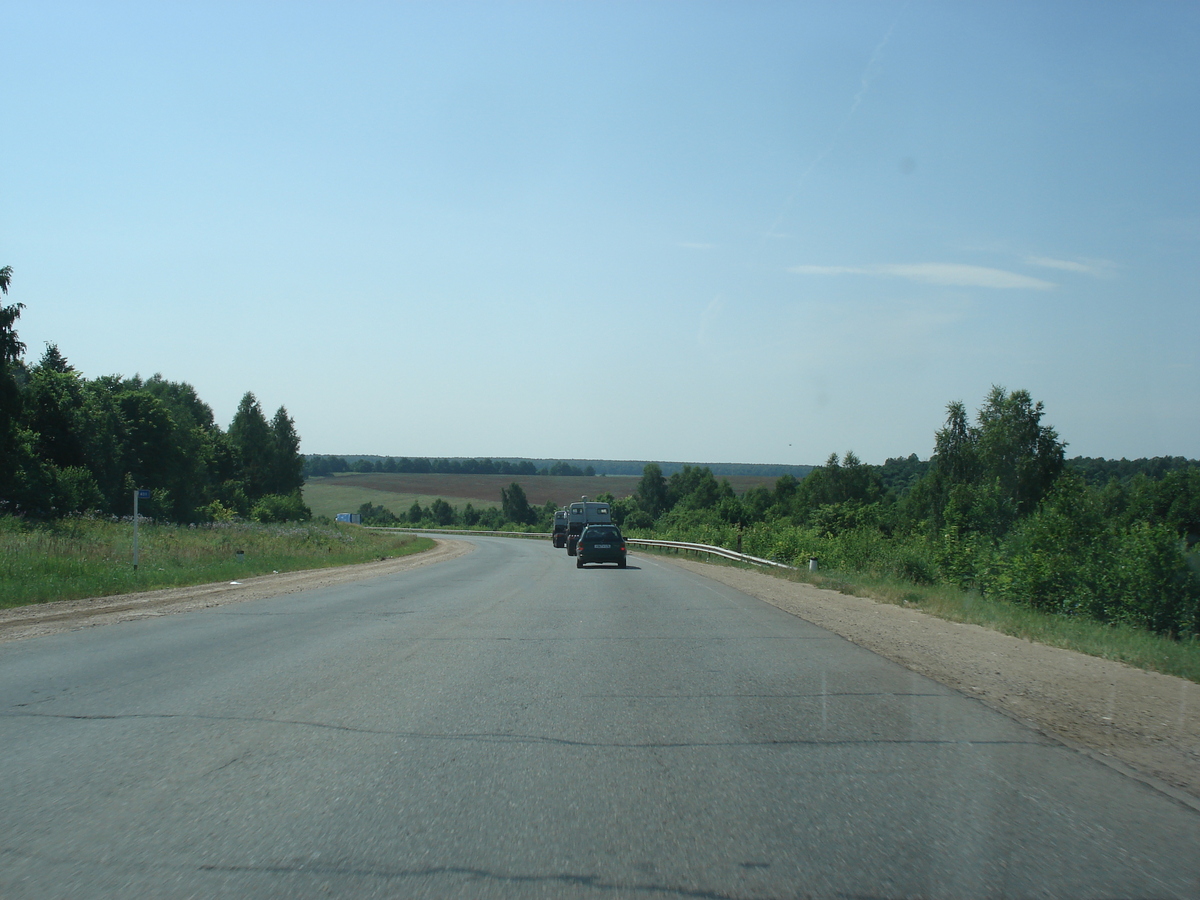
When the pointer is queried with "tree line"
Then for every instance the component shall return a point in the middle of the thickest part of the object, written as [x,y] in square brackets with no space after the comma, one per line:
[514,513]
[69,444]
[998,509]
[316,466]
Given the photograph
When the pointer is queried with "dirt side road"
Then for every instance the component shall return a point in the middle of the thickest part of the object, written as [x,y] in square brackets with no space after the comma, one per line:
[1147,723]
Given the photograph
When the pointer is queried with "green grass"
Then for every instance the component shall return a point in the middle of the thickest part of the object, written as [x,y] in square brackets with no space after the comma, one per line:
[78,558]
[1121,643]
[328,499]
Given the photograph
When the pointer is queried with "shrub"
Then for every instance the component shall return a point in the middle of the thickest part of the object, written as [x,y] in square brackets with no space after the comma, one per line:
[216,512]
[281,508]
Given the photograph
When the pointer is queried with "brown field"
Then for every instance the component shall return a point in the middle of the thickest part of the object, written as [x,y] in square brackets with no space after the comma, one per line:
[482,490]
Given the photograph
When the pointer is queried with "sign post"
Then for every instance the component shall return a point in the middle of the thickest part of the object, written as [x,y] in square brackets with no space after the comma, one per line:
[137,495]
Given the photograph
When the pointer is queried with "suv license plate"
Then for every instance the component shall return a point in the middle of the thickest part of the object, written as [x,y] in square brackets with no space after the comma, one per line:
[603,546]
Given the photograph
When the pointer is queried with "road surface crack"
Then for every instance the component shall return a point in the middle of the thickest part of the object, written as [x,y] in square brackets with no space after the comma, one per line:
[486,737]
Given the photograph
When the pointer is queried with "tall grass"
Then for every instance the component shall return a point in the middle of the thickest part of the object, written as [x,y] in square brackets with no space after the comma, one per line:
[81,557]
[1122,643]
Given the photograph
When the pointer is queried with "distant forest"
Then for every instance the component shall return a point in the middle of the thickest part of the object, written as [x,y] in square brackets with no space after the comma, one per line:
[318,465]
[898,474]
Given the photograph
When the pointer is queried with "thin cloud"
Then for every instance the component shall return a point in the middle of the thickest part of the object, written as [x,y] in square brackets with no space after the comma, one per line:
[832,270]
[1098,268]
[864,84]
[707,318]
[947,274]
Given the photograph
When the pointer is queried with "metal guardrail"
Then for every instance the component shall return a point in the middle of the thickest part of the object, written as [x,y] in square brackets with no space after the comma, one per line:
[645,542]
[714,551]
[520,534]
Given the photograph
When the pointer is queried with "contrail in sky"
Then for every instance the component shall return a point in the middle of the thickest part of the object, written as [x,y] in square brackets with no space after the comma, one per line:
[864,85]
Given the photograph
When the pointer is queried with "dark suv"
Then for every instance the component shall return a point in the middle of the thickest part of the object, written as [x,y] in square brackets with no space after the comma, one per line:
[600,543]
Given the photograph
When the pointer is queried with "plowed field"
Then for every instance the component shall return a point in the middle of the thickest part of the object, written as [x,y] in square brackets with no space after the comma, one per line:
[562,489]
[485,488]
[346,492]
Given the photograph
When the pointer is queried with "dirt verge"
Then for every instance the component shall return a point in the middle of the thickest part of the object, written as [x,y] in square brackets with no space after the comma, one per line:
[68,615]
[1148,722]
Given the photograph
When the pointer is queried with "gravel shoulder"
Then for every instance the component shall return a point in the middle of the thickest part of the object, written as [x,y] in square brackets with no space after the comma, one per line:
[1144,723]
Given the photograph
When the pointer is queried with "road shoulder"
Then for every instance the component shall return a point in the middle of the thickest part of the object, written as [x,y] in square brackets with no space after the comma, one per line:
[1145,721]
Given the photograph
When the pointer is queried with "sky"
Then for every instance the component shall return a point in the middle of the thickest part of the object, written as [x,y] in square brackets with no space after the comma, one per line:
[710,232]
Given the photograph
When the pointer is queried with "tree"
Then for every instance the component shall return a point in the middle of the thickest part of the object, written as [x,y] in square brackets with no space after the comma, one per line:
[987,476]
[955,446]
[151,452]
[287,465]
[515,505]
[316,466]
[11,350]
[651,491]
[694,487]
[53,361]
[55,409]
[1016,450]
[441,512]
[254,445]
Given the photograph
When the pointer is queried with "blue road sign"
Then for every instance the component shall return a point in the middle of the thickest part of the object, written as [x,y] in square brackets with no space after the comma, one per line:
[143,495]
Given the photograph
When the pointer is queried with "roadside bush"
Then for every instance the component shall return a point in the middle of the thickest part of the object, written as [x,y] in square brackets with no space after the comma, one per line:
[491,519]
[1067,558]
[216,512]
[281,508]
[378,515]
[637,518]
[74,489]
[1146,582]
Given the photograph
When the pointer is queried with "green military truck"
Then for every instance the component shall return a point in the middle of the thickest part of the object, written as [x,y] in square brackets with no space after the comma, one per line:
[558,534]
[583,513]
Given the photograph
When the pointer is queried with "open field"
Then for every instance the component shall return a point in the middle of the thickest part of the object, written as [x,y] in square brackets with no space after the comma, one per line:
[346,492]
[326,499]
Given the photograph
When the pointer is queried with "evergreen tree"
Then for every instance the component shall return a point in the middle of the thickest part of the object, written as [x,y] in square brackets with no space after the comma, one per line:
[254,447]
[287,465]
[53,361]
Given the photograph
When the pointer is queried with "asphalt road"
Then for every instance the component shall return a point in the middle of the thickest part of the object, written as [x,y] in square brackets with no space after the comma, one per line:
[503,725]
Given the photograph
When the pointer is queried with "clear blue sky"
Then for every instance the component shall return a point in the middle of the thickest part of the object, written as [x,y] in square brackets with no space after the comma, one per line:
[741,232]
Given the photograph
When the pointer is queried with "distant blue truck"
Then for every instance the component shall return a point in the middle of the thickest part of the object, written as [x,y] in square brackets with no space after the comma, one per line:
[352,518]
